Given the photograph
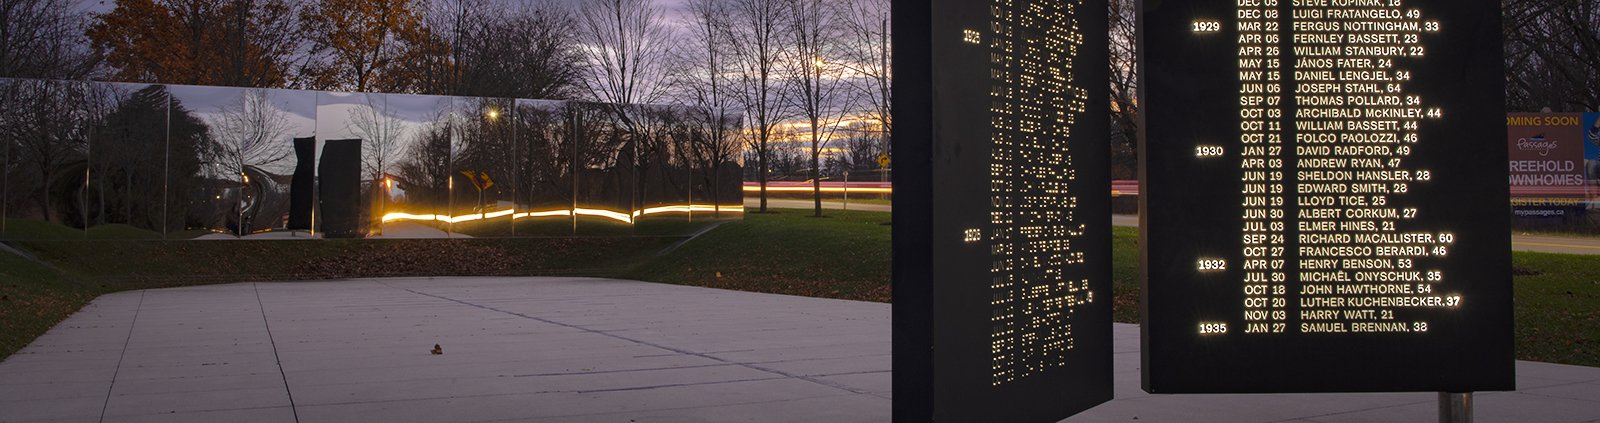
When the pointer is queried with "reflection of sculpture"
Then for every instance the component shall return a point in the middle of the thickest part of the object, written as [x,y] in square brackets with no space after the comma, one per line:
[260,204]
[340,191]
[250,134]
[305,181]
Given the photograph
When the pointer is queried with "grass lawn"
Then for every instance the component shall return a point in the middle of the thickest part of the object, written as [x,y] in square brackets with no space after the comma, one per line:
[842,255]
[1558,308]
[34,298]
[1125,274]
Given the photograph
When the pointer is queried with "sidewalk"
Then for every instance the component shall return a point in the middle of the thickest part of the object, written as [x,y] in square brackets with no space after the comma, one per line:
[567,350]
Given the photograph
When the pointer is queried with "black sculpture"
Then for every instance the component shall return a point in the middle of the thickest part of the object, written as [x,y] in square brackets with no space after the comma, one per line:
[340,193]
[302,188]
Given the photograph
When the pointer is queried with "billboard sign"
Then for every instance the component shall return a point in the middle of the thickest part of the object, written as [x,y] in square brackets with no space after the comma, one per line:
[1547,165]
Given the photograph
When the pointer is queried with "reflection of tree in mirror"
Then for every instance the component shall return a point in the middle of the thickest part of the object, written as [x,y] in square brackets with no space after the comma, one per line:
[544,155]
[712,150]
[600,156]
[47,125]
[188,140]
[250,133]
[653,179]
[380,132]
[124,190]
[484,146]
[425,168]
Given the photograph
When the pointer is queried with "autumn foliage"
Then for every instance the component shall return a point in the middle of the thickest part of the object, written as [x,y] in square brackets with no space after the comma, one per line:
[201,42]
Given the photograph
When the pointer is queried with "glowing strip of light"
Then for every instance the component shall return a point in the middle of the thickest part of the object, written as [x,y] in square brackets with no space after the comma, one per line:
[617,216]
[608,214]
[408,216]
[688,209]
[551,213]
[481,216]
[824,189]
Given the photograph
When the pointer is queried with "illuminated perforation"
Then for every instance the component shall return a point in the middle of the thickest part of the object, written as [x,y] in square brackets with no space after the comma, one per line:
[1034,103]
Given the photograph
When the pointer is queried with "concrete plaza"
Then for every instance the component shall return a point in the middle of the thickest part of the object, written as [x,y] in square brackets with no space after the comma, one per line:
[567,350]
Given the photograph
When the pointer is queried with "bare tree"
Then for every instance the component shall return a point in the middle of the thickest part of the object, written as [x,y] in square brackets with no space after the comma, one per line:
[545,150]
[454,22]
[250,133]
[381,132]
[868,56]
[756,33]
[1552,55]
[43,39]
[1124,75]
[503,49]
[625,44]
[44,136]
[820,92]
[426,166]
[704,77]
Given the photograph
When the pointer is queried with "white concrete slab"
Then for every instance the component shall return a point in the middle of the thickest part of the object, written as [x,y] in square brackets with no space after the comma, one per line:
[568,350]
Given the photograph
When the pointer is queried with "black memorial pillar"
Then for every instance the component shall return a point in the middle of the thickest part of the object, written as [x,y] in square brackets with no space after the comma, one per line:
[1002,299]
[303,186]
[339,179]
[1325,202]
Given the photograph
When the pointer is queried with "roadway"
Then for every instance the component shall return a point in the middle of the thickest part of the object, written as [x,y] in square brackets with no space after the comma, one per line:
[751,203]
[1519,242]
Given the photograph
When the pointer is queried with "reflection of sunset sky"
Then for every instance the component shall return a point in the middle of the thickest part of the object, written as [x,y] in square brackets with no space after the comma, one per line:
[298,107]
[334,111]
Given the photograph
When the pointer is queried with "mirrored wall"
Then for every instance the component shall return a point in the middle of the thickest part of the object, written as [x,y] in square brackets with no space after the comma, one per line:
[89,161]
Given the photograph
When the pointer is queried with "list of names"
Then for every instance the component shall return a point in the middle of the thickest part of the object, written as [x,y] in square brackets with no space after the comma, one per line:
[1326,126]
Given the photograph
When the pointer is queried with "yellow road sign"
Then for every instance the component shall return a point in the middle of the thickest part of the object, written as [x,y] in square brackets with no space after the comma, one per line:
[479,180]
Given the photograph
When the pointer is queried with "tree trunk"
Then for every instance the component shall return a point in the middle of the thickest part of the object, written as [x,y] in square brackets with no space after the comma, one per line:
[761,173]
[716,188]
[44,195]
[816,169]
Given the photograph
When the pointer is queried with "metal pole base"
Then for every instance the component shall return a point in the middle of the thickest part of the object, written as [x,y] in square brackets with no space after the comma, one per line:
[1455,407]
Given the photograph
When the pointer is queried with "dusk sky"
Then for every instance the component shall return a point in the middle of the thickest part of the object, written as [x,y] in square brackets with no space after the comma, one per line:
[672,8]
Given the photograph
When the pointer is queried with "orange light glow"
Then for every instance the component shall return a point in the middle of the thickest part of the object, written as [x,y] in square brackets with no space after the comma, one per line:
[608,214]
[863,190]
[687,209]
